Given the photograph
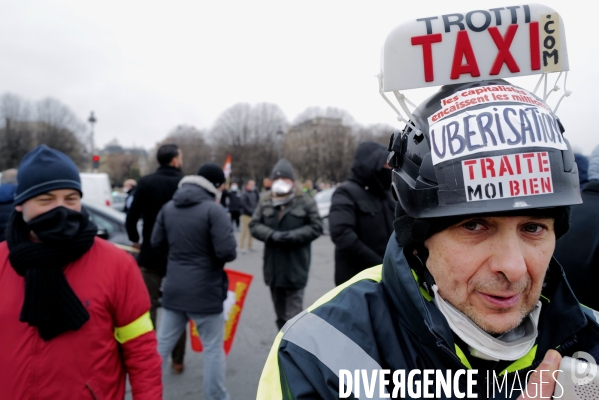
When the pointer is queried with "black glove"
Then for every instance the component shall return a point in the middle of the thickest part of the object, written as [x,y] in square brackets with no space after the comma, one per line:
[280,237]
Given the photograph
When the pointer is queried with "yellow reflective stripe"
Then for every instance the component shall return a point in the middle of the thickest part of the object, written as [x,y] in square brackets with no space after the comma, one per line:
[524,362]
[374,274]
[462,357]
[135,329]
[269,386]
[270,380]
[546,299]
[423,292]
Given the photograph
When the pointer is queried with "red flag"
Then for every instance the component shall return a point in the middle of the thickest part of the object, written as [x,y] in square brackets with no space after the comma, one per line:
[227,166]
[239,283]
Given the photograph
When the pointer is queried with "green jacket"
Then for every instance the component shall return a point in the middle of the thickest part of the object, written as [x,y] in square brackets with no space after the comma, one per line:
[287,264]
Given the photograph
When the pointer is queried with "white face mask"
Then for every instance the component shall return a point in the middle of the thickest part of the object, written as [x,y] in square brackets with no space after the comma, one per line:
[233,188]
[509,346]
[281,187]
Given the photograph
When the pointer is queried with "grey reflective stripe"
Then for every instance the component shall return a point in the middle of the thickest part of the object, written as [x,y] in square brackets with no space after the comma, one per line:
[590,312]
[331,347]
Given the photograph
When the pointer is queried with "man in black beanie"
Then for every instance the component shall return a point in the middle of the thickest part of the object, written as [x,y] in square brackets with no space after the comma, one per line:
[468,283]
[152,192]
[74,310]
[287,221]
[197,232]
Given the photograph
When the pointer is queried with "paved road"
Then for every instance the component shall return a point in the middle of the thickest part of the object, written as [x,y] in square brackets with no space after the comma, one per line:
[256,330]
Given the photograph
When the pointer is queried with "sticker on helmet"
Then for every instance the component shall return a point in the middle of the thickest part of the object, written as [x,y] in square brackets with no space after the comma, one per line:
[493,129]
[513,175]
[483,95]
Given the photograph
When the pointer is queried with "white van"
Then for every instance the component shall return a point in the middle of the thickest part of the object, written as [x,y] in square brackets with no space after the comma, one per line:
[96,188]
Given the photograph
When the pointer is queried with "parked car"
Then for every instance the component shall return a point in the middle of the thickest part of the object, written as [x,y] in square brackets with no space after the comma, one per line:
[323,202]
[110,223]
[96,188]
[118,201]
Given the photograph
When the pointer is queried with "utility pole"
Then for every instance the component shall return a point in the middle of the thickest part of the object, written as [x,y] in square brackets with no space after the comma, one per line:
[92,120]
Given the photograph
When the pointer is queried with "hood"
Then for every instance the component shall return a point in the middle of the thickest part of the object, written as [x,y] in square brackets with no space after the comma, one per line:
[370,158]
[7,192]
[194,189]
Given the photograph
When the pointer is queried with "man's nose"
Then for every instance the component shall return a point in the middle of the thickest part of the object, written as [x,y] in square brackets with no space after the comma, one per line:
[508,257]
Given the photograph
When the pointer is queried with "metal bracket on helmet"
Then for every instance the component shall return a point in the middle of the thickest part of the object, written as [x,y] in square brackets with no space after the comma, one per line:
[555,88]
[402,100]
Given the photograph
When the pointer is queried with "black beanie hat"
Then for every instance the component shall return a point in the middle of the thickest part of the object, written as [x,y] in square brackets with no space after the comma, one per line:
[213,172]
[283,169]
[413,232]
[44,169]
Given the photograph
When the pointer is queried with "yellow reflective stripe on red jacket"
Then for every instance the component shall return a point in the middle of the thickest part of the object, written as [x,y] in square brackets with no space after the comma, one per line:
[135,329]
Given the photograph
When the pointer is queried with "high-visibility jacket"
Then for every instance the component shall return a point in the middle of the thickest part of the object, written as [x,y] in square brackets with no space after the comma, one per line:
[384,319]
[92,362]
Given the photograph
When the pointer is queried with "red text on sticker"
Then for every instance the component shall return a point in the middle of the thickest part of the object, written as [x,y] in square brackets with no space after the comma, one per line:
[513,175]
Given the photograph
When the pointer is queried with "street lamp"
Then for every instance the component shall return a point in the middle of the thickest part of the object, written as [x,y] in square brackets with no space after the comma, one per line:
[92,120]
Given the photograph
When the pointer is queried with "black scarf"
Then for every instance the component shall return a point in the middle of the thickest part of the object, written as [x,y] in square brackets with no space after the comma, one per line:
[50,303]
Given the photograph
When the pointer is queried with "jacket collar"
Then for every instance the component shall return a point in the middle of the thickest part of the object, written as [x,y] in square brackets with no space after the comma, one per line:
[201,182]
[169,170]
[561,316]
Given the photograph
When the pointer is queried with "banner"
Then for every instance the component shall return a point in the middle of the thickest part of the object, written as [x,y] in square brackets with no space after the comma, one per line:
[239,284]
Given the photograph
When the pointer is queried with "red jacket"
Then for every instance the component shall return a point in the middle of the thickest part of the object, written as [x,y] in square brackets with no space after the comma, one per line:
[88,363]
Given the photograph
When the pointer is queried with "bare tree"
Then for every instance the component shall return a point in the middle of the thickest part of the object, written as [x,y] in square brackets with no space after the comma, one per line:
[120,166]
[252,136]
[16,134]
[58,127]
[380,133]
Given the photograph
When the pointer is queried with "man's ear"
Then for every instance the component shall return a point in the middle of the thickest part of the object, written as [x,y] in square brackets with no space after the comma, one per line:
[19,208]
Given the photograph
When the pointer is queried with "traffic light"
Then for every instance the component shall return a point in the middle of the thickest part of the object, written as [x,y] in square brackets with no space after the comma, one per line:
[96,162]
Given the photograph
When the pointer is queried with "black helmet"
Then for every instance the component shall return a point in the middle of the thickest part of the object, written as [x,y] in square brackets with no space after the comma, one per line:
[482,147]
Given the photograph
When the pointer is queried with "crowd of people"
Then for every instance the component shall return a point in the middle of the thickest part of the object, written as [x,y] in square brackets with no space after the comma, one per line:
[50,305]
[453,286]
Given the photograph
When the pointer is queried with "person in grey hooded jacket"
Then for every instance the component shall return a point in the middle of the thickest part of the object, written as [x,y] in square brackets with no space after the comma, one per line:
[198,234]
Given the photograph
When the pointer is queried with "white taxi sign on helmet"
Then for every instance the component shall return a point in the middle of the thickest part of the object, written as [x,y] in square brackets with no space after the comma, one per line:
[478,45]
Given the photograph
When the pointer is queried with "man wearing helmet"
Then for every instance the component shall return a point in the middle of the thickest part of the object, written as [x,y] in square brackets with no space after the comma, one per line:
[468,280]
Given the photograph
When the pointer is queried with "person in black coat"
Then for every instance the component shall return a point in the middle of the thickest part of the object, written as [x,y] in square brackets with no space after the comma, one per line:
[235,205]
[361,215]
[153,191]
[578,250]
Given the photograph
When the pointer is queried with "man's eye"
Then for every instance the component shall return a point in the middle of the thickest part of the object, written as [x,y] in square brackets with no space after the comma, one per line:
[472,225]
[533,228]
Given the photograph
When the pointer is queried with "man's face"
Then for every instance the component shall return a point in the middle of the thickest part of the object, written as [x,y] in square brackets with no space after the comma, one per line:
[492,268]
[38,205]
[251,185]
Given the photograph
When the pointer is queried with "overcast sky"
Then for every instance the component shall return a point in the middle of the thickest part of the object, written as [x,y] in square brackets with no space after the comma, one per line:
[146,66]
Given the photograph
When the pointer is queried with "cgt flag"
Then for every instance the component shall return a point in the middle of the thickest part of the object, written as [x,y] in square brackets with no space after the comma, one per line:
[239,283]
[227,166]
